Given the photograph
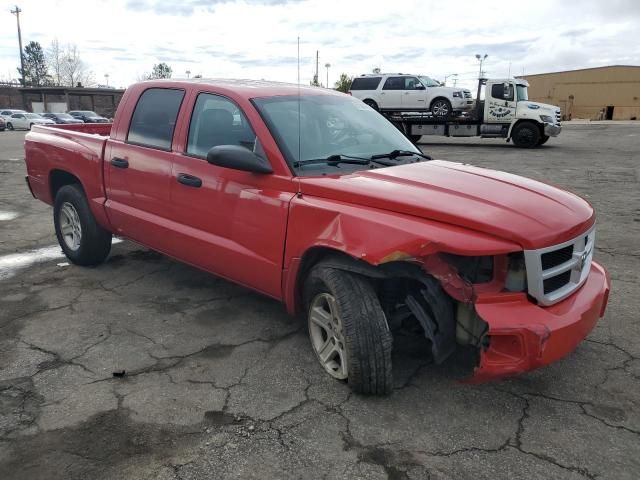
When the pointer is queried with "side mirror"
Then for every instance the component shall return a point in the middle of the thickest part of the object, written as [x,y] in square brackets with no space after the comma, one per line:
[420,87]
[238,158]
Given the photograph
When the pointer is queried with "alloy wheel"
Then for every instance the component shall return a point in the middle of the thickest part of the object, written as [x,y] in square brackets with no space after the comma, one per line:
[70,226]
[327,337]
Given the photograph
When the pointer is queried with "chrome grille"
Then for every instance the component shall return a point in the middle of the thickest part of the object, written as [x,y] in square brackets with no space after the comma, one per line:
[558,117]
[554,273]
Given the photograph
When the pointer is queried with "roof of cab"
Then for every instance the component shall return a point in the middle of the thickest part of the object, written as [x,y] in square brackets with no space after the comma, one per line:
[246,88]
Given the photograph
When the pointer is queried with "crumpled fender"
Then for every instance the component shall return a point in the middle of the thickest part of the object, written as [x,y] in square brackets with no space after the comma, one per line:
[376,237]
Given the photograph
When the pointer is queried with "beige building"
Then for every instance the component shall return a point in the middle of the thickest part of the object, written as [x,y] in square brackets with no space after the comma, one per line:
[607,93]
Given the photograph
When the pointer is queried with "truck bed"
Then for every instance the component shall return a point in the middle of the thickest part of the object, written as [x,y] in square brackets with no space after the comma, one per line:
[76,149]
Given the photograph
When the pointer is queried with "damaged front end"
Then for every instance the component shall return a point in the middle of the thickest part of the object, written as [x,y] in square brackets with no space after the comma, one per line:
[483,302]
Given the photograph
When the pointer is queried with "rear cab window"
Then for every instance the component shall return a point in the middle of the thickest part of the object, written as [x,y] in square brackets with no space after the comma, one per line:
[154,118]
[365,83]
[216,121]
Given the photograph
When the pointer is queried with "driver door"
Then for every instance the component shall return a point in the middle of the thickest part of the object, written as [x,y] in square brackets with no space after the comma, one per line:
[229,222]
[501,103]
[414,96]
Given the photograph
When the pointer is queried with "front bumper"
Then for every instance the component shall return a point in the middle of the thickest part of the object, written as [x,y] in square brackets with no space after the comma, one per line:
[552,129]
[524,336]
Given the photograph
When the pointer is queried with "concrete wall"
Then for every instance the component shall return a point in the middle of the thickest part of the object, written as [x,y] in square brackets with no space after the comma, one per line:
[102,103]
[586,93]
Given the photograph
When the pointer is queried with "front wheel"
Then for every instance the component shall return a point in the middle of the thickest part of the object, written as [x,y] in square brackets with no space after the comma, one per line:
[543,139]
[526,135]
[372,104]
[441,108]
[348,330]
[82,240]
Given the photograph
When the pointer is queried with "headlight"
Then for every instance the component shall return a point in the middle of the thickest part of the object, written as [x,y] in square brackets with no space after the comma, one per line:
[516,280]
[457,94]
[546,119]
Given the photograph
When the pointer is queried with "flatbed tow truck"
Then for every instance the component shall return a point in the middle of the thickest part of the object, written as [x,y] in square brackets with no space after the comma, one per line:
[505,113]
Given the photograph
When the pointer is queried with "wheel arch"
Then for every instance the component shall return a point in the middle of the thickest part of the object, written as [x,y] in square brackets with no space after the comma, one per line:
[520,122]
[59,178]
[439,97]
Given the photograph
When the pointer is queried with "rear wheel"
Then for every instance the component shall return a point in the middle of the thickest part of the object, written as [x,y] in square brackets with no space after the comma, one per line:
[372,104]
[441,108]
[543,139]
[10,126]
[82,240]
[348,330]
[526,135]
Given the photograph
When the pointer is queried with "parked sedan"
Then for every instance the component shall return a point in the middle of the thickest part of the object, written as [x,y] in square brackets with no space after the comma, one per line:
[87,116]
[27,120]
[63,118]
[5,113]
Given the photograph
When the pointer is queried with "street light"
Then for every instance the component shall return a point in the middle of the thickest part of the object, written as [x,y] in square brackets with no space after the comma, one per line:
[481,59]
[106,78]
[188,72]
[327,65]
[447,76]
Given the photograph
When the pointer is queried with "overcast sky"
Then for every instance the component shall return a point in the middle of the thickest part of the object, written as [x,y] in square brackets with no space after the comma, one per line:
[257,38]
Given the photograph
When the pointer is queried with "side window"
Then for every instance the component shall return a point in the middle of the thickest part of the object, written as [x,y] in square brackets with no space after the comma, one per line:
[218,121]
[503,91]
[394,83]
[154,118]
[411,83]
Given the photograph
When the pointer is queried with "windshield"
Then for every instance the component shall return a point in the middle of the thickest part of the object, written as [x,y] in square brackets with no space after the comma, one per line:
[429,82]
[522,92]
[328,125]
[64,116]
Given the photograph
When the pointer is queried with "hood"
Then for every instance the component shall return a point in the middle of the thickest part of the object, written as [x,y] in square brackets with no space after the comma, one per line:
[452,89]
[539,107]
[530,213]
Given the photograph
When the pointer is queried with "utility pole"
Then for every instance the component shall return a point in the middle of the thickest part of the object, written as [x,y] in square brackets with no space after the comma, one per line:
[481,59]
[16,12]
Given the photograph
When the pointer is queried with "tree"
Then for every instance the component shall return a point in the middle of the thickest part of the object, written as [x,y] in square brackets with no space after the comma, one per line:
[35,66]
[344,83]
[161,70]
[74,69]
[55,56]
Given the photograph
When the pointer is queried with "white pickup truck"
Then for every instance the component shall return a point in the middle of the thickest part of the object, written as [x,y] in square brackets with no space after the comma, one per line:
[394,92]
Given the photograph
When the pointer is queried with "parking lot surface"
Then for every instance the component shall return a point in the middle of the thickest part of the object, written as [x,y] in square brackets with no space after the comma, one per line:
[215,381]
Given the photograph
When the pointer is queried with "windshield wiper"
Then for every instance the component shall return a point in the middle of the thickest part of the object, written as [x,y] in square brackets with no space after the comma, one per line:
[333,160]
[401,153]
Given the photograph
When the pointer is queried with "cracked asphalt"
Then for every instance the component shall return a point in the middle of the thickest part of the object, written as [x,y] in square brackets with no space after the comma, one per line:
[220,382]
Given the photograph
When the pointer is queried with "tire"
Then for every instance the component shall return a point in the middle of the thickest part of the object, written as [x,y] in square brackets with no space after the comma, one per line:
[348,303]
[30,126]
[372,104]
[82,240]
[526,135]
[10,126]
[543,139]
[441,108]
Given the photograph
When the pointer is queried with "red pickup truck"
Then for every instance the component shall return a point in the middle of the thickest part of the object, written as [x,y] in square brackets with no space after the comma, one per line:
[311,197]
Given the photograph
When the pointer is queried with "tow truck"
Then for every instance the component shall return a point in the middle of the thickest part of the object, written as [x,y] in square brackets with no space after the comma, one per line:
[505,113]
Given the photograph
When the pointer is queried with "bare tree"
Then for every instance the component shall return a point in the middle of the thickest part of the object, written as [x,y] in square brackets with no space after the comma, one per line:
[55,56]
[73,70]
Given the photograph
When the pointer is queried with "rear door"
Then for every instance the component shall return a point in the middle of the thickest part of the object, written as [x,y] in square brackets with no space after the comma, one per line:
[391,94]
[231,222]
[138,170]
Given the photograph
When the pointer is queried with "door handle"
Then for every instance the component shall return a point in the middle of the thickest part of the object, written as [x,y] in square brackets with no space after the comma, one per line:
[189,180]
[119,162]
